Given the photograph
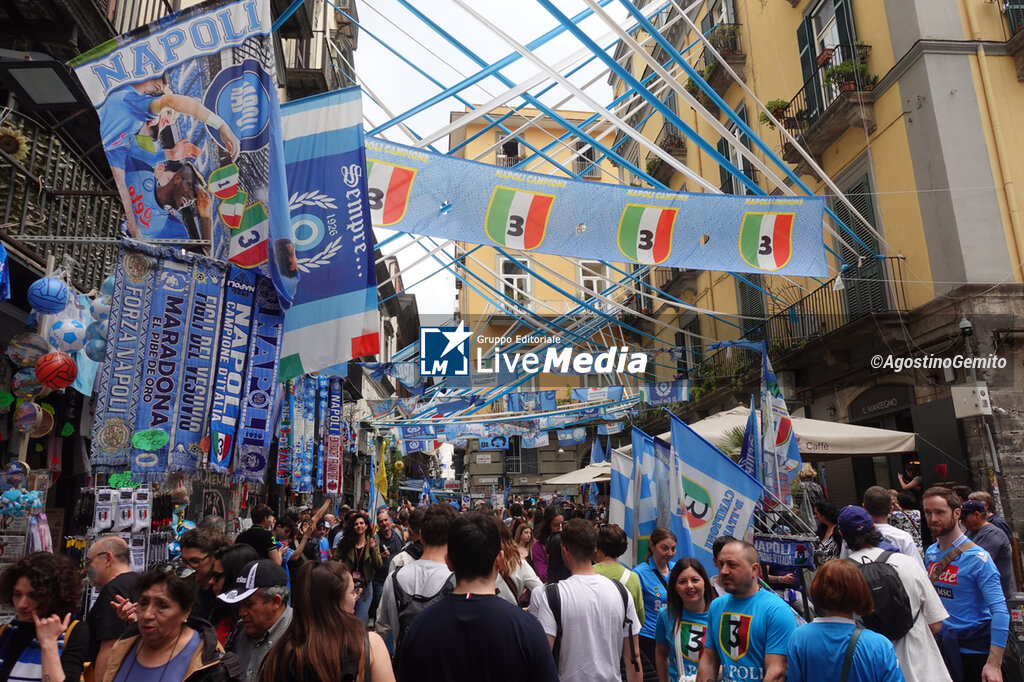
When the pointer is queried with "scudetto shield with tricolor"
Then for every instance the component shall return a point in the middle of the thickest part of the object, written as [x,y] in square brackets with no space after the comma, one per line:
[645,233]
[766,240]
[388,187]
[734,634]
[517,218]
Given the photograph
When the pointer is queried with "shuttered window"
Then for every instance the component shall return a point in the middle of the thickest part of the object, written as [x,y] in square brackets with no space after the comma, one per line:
[807,46]
[865,291]
[751,304]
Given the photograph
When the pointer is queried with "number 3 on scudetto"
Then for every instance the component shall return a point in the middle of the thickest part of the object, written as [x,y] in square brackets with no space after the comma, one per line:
[376,198]
[766,246]
[646,239]
[515,225]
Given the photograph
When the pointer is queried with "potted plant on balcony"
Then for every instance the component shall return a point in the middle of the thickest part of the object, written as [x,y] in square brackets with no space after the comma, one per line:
[825,56]
[724,40]
[692,87]
[844,75]
[777,108]
[674,144]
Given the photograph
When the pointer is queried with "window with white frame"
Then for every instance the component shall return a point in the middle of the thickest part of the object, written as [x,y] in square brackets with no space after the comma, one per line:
[593,278]
[583,160]
[509,149]
[514,280]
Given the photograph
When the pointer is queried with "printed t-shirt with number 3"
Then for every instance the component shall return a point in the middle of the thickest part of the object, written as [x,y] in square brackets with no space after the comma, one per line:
[744,631]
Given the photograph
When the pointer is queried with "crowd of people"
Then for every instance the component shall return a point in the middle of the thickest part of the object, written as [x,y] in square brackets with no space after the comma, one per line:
[532,593]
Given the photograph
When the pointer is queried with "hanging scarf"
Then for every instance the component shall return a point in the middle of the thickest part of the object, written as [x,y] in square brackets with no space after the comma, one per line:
[260,388]
[309,443]
[120,381]
[284,436]
[231,359]
[321,415]
[204,316]
[298,429]
[335,441]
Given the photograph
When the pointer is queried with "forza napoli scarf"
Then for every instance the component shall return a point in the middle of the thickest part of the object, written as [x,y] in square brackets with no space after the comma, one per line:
[335,439]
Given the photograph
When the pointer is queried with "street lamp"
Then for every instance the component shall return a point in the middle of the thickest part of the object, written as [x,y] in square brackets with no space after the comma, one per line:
[40,81]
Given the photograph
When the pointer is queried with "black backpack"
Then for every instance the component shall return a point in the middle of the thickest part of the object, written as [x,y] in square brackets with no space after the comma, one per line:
[410,605]
[893,615]
[555,604]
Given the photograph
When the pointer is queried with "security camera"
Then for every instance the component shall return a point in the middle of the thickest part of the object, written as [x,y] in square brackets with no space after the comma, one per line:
[966,328]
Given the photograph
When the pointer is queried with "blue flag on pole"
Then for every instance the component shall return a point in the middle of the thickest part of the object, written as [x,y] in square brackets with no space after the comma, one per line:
[750,453]
[592,494]
[597,452]
[334,317]
[781,458]
[720,497]
[426,494]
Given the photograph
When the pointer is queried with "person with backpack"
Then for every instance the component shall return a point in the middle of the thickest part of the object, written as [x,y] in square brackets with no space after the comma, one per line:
[412,588]
[835,647]
[589,619]
[906,608]
[973,638]
[473,634]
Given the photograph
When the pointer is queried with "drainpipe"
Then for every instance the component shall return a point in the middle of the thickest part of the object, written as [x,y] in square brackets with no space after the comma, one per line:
[1015,235]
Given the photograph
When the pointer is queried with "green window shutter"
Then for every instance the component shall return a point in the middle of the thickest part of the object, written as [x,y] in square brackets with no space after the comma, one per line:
[751,306]
[809,67]
[723,174]
[865,289]
[706,22]
[844,22]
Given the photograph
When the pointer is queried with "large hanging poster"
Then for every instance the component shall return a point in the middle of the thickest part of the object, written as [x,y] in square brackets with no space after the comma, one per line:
[420,192]
[191,126]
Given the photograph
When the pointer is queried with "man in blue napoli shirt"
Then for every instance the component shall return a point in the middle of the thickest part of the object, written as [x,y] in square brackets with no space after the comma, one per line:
[973,637]
[128,108]
[748,628]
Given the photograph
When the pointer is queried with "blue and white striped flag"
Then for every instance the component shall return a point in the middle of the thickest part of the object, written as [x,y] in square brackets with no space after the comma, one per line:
[781,459]
[649,496]
[334,317]
[750,453]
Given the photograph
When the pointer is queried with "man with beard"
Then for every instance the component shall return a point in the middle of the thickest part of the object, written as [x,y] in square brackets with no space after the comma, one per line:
[748,628]
[972,639]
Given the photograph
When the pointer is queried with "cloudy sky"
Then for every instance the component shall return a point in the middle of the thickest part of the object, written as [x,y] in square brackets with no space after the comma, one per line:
[399,87]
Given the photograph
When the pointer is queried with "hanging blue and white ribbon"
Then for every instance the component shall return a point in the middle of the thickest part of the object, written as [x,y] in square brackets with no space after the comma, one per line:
[609,429]
[588,395]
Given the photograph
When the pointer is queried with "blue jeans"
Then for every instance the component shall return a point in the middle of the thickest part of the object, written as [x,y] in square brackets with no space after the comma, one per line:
[363,603]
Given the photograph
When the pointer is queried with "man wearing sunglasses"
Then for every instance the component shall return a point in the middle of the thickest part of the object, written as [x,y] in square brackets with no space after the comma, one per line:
[198,546]
[108,569]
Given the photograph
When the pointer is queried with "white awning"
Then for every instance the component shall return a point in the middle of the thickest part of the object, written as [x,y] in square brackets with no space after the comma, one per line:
[817,439]
[596,473]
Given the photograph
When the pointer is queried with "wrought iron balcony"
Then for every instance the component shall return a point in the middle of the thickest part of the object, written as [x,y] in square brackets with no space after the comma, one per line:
[1014,11]
[124,15]
[54,203]
[506,161]
[726,40]
[310,65]
[834,99]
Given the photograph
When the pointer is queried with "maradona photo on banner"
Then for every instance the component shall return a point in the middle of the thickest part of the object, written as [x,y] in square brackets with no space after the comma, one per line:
[190,123]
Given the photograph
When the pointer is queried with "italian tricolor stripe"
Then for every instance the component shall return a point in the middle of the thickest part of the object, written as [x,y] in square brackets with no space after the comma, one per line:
[223,182]
[231,209]
[249,241]
[517,218]
[388,187]
[766,239]
[645,233]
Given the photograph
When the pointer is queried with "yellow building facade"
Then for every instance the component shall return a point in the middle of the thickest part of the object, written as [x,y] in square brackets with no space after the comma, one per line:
[910,107]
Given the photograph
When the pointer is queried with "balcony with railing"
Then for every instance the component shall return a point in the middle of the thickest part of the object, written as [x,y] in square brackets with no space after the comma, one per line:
[831,311]
[1013,10]
[124,15]
[507,160]
[726,40]
[310,65]
[54,203]
[838,96]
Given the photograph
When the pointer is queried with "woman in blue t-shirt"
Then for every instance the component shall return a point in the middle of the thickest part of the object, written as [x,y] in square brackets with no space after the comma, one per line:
[679,634]
[817,650]
[653,574]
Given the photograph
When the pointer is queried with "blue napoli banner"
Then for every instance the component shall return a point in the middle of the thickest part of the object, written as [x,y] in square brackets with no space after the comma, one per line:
[609,428]
[214,168]
[484,204]
[785,552]
[416,432]
[587,395]
[572,436]
[531,401]
[334,317]
[666,392]
[411,446]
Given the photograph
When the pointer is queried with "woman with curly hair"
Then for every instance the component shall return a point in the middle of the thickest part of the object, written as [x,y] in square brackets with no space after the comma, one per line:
[358,551]
[42,642]
[325,641]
